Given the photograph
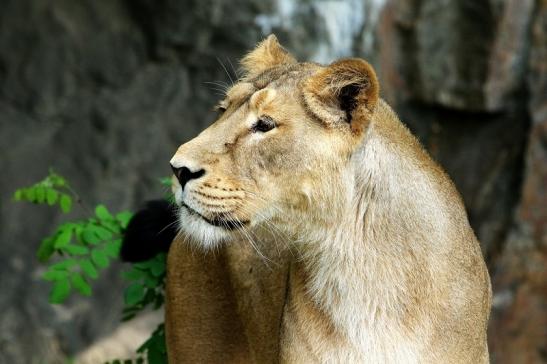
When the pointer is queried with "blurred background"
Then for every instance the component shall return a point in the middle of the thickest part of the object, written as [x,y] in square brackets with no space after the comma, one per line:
[104,91]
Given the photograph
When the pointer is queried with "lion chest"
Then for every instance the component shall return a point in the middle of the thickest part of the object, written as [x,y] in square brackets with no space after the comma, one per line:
[340,328]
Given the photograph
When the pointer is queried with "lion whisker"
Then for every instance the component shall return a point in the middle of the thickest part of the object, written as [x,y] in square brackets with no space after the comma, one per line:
[226,70]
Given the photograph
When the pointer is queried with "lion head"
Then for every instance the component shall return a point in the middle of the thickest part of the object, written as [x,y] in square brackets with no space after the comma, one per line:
[280,151]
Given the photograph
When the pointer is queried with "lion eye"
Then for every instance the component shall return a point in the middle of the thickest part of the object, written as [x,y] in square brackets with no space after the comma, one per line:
[263,124]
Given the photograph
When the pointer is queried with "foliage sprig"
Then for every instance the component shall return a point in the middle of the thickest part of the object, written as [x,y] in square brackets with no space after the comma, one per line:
[78,251]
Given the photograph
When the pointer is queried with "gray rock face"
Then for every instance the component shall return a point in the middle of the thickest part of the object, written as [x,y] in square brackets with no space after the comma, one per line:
[469,77]
[104,91]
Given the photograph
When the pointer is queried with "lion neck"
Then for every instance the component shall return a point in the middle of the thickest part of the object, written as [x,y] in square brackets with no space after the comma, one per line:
[351,275]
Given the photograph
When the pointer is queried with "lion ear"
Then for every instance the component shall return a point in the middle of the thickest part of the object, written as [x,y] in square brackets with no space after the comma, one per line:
[344,92]
[267,54]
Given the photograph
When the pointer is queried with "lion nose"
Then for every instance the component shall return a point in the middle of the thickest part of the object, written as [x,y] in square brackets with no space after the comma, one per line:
[184,174]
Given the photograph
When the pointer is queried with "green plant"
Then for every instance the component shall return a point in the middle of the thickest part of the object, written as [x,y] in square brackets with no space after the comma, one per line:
[147,290]
[78,251]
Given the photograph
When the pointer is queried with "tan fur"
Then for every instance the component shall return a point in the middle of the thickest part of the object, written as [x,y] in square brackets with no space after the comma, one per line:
[266,55]
[354,246]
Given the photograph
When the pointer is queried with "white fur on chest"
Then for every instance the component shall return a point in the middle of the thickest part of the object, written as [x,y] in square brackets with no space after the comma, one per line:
[367,314]
[357,276]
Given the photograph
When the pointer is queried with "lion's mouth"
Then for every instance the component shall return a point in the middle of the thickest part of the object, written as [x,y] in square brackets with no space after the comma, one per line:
[221,222]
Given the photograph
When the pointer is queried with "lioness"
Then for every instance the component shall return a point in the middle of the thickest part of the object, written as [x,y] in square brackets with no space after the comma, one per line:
[316,229]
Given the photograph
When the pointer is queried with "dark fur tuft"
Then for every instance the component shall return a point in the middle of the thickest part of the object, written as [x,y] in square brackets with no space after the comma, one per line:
[150,231]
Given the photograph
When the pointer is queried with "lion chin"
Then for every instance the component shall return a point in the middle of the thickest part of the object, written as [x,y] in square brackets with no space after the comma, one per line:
[201,230]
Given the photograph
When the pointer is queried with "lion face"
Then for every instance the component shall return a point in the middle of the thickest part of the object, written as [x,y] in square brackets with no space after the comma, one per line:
[278,151]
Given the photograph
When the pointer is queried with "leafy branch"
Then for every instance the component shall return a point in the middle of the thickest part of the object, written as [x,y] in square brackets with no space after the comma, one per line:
[52,190]
[84,248]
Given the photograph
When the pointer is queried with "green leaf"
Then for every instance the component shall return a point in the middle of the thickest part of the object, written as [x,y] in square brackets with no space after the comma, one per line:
[60,291]
[142,265]
[158,269]
[156,345]
[64,265]
[102,233]
[146,265]
[151,281]
[75,249]
[30,194]
[63,238]
[18,195]
[112,249]
[148,297]
[51,196]
[166,181]
[54,275]
[113,226]
[133,274]
[89,235]
[155,356]
[134,294]
[102,213]
[55,179]
[46,249]
[40,194]
[80,284]
[88,268]
[99,258]
[124,218]
[66,203]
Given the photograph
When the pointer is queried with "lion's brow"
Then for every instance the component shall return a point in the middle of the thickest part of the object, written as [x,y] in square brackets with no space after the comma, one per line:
[273,74]
[240,93]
